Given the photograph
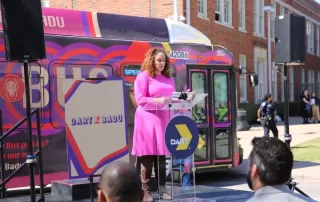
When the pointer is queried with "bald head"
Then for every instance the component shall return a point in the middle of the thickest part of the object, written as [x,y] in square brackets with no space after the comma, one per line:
[120,182]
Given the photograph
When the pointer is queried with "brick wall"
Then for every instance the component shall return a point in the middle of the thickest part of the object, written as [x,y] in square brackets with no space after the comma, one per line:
[143,8]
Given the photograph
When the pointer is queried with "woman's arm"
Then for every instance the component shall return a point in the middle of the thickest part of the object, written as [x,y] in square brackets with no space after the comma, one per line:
[141,85]
[305,101]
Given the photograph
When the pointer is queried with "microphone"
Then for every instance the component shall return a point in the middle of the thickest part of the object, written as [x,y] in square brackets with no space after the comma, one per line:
[183,95]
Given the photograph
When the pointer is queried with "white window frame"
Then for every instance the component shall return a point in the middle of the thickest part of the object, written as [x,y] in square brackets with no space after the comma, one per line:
[242,15]
[258,18]
[274,84]
[45,3]
[273,19]
[204,5]
[260,88]
[282,84]
[310,37]
[243,79]
[221,12]
[291,83]
[318,40]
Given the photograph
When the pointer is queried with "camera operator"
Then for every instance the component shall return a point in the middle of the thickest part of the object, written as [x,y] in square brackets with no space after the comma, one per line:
[266,115]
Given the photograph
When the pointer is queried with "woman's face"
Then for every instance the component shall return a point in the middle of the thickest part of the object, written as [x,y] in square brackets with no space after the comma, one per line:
[305,92]
[313,95]
[159,61]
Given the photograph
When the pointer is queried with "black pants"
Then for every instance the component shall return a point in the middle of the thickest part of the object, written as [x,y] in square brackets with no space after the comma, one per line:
[146,163]
[271,126]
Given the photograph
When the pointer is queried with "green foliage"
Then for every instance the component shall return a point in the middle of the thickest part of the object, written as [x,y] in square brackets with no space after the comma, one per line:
[307,151]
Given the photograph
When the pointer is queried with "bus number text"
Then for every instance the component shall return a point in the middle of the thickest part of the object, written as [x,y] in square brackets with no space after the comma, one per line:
[179,55]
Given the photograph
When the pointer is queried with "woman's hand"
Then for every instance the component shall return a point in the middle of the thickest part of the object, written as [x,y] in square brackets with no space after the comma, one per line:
[162,100]
[191,94]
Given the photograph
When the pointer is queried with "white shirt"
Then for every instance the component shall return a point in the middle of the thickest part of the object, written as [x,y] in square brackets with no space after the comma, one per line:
[313,101]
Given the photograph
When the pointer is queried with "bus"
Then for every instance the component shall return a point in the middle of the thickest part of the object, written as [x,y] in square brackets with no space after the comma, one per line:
[81,45]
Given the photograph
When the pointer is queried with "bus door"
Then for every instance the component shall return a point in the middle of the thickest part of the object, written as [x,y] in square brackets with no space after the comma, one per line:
[212,115]
[129,72]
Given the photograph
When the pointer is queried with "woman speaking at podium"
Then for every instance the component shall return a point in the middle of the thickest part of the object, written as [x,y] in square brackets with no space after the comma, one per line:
[149,125]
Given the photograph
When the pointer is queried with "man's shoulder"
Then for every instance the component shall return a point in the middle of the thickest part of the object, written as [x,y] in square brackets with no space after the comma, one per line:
[279,194]
[293,197]
[263,104]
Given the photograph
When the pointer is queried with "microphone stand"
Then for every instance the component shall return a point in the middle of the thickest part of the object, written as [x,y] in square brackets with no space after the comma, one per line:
[293,186]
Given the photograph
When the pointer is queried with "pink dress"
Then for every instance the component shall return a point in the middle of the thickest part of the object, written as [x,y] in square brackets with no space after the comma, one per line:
[149,125]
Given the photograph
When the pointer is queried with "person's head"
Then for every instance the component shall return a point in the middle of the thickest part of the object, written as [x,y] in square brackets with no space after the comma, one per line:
[120,182]
[270,163]
[305,92]
[313,94]
[268,97]
[156,62]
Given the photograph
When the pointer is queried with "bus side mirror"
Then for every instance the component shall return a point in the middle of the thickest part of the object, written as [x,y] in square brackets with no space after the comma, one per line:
[253,80]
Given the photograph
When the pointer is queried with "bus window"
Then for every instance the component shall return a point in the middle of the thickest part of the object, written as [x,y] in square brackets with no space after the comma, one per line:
[198,84]
[221,108]
[222,143]
[12,94]
[202,154]
[76,70]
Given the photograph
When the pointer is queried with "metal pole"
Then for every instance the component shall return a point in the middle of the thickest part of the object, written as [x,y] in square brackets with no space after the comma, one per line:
[40,156]
[3,189]
[175,10]
[30,159]
[269,54]
[287,136]
[188,12]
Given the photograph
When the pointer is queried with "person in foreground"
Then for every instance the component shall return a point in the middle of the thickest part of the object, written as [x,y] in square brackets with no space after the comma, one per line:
[270,166]
[149,126]
[120,182]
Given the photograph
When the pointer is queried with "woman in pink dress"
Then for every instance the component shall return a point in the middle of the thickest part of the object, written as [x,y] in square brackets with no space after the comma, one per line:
[149,126]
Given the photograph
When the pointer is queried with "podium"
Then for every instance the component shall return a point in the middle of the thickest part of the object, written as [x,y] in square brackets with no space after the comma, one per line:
[181,138]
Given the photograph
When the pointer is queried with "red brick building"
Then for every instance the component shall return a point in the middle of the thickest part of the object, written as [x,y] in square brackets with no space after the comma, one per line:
[239,25]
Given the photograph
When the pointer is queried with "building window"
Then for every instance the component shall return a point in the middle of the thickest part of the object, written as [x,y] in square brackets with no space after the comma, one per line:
[282,10]
[223,12]
[242,15]
[274,84]
[258,11]
[311,81]
[45,3]
[282,84]
[302,83]
[273,18]
[291,83]
[243,79]
[318,85]
[318,40]
[310,37]
[202,8]
[260,89]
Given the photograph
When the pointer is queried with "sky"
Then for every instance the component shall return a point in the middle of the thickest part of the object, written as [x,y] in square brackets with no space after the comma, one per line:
[318,1]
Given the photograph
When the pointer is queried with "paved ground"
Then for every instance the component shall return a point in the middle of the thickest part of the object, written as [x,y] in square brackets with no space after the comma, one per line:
[231,185]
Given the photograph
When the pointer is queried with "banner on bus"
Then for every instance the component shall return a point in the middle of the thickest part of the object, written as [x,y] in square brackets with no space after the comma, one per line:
[96,125]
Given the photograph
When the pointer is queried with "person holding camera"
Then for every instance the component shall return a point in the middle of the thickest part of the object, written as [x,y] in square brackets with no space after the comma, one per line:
[266,116]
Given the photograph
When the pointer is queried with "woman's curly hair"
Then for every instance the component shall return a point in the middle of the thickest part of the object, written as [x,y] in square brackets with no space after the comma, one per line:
[148,63]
